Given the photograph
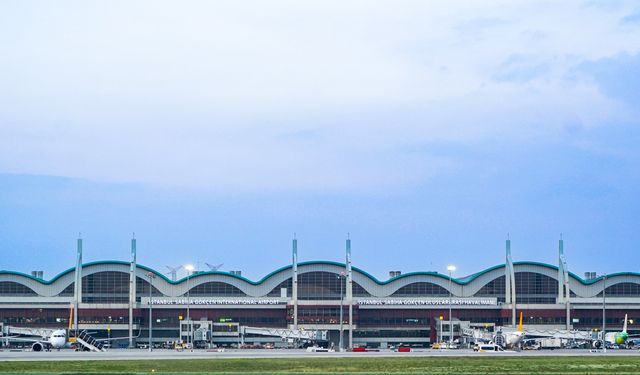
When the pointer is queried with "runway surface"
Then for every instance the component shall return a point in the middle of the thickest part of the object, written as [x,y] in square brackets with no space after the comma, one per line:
[142,354]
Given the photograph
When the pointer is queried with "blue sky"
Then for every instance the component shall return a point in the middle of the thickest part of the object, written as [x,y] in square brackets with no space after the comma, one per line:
[427,130]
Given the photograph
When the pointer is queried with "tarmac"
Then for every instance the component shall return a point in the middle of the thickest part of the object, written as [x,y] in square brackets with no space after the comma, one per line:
[144,354]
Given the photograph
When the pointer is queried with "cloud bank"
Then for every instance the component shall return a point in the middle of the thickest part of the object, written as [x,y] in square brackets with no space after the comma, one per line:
[255,96]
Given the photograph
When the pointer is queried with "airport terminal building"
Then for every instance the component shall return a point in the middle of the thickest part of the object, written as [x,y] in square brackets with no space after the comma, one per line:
[113,298]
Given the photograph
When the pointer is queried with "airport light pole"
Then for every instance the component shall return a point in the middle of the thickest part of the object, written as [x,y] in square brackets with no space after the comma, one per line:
[151,276]
[189,268]
[441,333]
[450,268]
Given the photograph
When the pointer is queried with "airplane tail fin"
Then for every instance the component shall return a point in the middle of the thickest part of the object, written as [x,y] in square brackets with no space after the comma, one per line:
[520,324]
[70,318]
[624,327]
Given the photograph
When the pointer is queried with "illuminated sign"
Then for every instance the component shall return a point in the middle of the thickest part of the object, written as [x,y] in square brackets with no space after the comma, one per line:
[428,301]
[216,301]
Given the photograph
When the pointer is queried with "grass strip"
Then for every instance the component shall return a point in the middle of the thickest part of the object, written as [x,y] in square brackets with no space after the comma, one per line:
[421,365]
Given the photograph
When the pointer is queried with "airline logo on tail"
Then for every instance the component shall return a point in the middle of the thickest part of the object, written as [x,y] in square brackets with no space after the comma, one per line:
[520,324]
[622,337]
[71,339]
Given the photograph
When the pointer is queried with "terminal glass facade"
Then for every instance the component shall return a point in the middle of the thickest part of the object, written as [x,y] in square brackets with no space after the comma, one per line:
[10,288]
[106,287]
[535,288]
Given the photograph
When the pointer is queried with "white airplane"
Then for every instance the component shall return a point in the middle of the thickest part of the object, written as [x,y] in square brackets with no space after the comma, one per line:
[50,339]
[57,340]
[619,338]
[509,339]
[54,338]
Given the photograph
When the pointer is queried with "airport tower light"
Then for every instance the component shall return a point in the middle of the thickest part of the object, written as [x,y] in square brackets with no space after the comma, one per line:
[189,268]
[450,268]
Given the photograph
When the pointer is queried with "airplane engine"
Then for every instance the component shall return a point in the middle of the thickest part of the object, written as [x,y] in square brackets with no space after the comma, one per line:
[37,347]
[597,344]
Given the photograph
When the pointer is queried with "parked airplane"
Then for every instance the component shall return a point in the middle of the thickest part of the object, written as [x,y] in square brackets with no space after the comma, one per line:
[509,339]
[55,338]
[619,338]
[49,339]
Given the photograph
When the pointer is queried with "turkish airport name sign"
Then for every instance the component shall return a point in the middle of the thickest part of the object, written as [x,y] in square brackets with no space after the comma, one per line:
[428,301]
[216,301]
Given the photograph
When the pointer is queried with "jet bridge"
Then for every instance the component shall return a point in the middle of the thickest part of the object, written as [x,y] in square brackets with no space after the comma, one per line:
[45,333]
[559,334]
[285,333]
[532,333]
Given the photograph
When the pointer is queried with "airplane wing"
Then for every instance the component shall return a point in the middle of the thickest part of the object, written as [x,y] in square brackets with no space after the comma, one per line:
[121,337]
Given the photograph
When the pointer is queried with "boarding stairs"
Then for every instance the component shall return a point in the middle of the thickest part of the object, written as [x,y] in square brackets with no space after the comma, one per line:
[88,342]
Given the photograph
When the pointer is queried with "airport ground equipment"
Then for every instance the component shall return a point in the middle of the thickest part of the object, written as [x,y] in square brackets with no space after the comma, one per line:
[286,333]
[89,343]
[498,337]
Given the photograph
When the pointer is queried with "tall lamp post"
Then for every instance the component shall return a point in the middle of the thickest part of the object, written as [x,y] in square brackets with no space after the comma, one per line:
[109,333]
[450,268]
[340,278]
[151,276]
[189,268]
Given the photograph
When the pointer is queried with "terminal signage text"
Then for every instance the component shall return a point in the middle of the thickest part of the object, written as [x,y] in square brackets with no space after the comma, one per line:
[216,301]
[428,301]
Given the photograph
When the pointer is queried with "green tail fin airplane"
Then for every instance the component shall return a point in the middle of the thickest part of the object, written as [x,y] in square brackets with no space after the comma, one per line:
[619,337]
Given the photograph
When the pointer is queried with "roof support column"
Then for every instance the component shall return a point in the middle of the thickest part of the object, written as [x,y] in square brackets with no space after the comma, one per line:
[564,293]
[294,283]
[77,290]
[510,283]
[560,273]
[132,289]
[350,292]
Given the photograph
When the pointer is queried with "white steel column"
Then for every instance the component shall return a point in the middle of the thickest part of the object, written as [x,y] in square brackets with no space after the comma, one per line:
[560,273]
[510,283]
[349,293]
[564,293]
[132,289]
[77,293]
[294,283]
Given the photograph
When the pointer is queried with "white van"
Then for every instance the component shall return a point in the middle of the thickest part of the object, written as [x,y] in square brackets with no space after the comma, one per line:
[488,348]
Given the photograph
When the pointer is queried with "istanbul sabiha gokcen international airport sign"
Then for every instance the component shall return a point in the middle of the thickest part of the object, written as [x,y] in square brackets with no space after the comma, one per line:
[362,302]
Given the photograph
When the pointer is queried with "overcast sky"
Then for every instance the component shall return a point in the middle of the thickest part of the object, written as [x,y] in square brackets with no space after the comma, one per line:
[215,130]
